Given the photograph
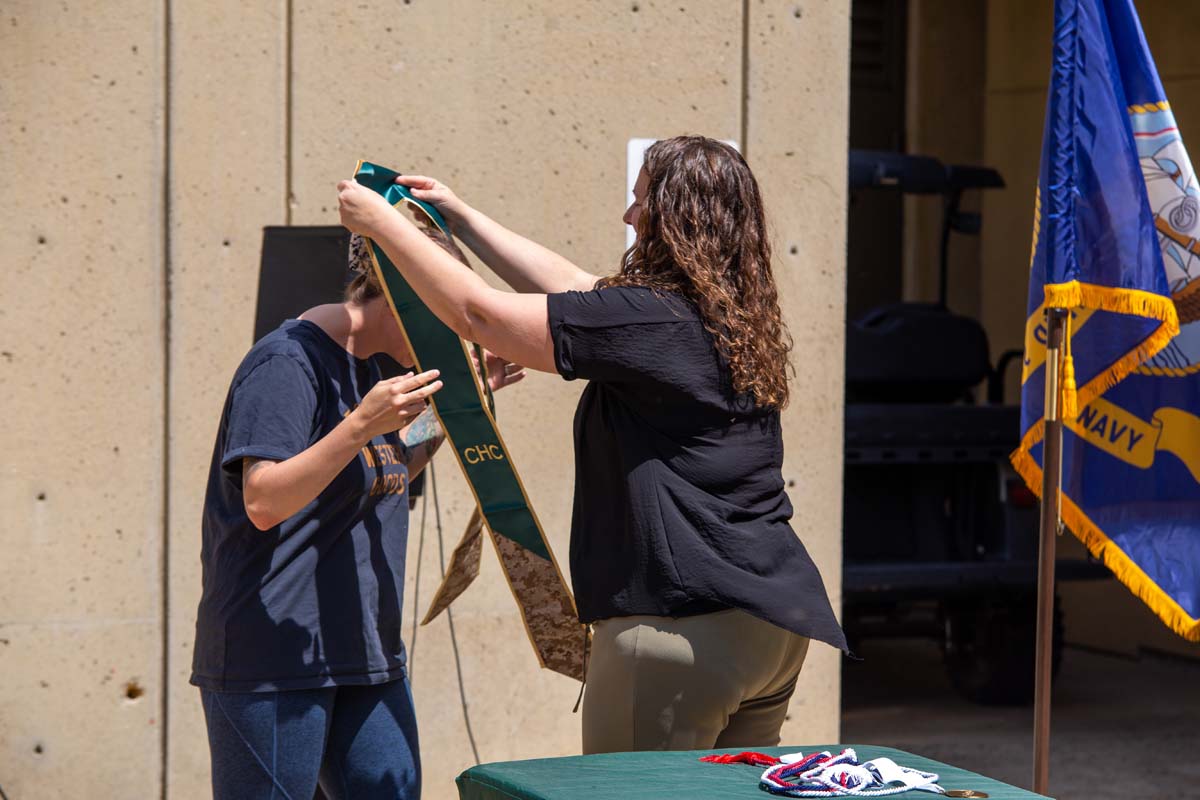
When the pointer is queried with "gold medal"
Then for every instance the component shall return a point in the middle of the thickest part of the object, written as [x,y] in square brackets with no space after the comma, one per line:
[964,793]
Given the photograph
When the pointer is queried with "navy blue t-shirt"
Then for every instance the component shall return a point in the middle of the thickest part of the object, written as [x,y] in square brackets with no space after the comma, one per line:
[316,600]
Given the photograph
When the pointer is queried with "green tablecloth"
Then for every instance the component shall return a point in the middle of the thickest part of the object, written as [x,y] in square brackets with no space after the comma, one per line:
[639,776]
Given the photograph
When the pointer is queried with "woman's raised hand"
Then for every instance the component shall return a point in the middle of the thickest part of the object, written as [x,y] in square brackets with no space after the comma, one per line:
[436,193]
[393,403]
[500,371]
[361,209]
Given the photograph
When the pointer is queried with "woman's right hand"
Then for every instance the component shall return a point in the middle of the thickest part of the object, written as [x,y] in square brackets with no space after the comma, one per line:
[437,194]
[393,403]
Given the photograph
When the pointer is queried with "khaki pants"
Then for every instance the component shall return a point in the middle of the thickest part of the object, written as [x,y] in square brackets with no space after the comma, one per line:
[693,683]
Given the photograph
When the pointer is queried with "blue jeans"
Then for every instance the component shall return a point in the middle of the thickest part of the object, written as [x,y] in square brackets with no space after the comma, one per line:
[357,741]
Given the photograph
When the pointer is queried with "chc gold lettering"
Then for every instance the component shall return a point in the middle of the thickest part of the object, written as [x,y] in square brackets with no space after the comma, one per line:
[483,452]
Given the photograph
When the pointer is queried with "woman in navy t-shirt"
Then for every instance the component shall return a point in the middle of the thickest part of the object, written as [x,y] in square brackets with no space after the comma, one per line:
[298,653]
[702,599]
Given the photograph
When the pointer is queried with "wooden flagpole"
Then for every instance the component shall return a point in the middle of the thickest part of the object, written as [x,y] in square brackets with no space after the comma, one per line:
[1051,525]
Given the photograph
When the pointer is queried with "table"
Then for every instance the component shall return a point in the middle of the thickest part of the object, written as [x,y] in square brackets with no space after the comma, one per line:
[640,776]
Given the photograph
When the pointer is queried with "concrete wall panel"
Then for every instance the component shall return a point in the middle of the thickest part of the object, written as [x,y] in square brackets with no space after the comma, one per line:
[228,151]
[798,98]
[1012,145]
[81,370]
[1019,45]
[80,713]
[945,99]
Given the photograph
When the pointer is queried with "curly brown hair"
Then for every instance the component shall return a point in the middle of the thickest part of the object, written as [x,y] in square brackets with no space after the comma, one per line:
[702,234]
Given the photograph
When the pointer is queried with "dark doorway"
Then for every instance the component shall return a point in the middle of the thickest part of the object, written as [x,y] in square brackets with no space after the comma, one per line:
[878,74]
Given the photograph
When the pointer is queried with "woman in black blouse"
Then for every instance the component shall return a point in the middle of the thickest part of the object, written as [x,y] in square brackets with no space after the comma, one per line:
[703,600]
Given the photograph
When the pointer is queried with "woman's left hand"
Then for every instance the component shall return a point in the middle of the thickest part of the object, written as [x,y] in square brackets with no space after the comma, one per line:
[500,371]
[362,210]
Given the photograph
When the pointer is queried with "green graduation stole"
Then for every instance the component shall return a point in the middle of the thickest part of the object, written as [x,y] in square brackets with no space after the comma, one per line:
[546,605]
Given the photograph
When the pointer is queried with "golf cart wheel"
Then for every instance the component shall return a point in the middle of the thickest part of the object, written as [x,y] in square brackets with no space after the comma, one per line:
[990,648]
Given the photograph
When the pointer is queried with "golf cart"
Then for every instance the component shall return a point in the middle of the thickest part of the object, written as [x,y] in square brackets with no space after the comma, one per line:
[940,535]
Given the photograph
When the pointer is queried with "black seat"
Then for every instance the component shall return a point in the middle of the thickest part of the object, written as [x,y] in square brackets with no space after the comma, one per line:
[914,353]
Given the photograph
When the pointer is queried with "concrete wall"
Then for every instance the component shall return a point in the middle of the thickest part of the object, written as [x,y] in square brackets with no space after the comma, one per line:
[174,132]
[227,83]
[944,119]
[1102,615]
[797,128]
[82,376]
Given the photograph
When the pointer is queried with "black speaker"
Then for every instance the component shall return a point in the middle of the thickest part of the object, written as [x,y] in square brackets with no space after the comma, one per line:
[302,266]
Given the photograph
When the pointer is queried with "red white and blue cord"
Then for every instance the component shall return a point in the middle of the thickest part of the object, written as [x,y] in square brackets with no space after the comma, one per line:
[826,775]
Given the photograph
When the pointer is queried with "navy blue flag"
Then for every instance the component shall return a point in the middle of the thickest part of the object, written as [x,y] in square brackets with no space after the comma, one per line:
[1115,241]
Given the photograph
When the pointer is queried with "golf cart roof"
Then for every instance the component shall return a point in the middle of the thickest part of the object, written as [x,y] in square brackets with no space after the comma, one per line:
[912,174]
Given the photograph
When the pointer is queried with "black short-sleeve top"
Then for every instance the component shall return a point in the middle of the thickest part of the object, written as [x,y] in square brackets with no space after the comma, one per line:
[680,507]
